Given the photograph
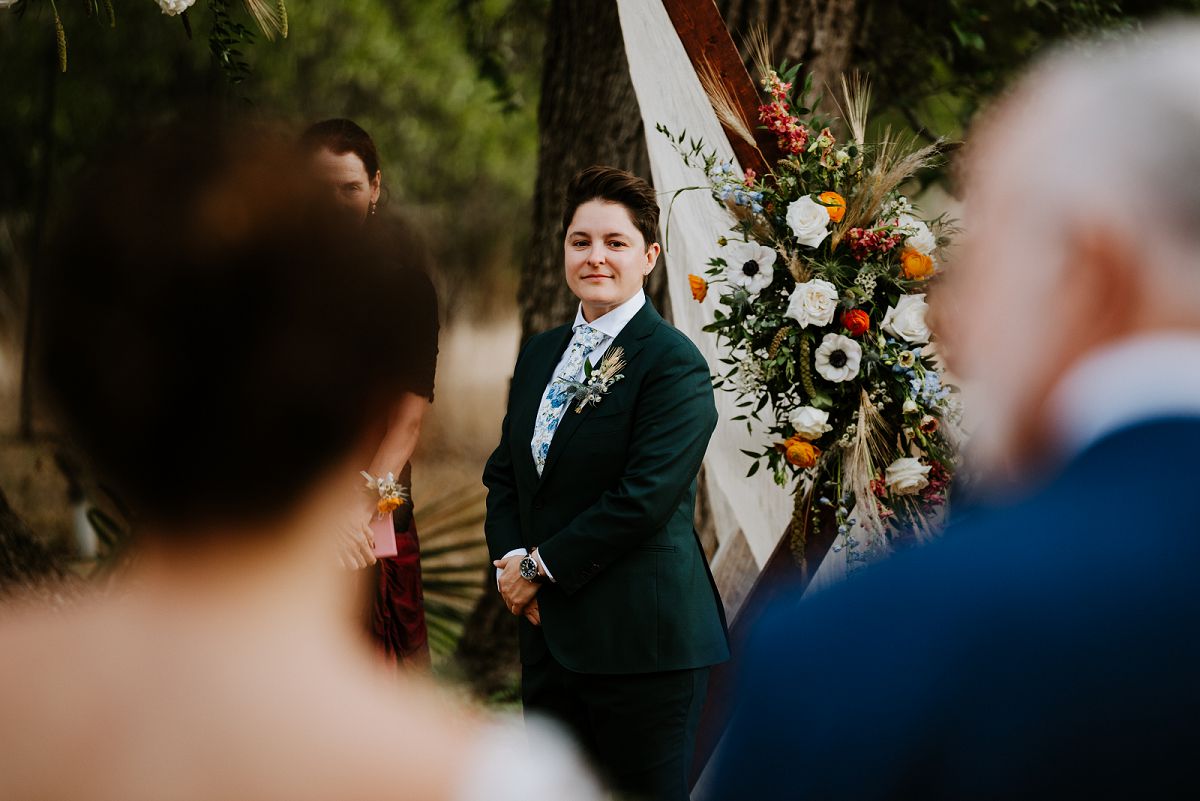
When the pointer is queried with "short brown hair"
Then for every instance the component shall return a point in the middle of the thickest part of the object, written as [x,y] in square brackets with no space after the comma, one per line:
[614,186]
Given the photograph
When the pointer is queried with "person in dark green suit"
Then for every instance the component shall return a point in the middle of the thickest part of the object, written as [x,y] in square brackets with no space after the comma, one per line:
[591,497]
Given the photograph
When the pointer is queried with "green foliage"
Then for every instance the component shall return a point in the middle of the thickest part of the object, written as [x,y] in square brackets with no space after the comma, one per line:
[501,37]
[935,62]
[405,73]
[226,40]
[458,153]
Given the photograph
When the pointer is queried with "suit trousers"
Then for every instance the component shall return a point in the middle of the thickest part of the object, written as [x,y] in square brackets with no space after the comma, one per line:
[638,729]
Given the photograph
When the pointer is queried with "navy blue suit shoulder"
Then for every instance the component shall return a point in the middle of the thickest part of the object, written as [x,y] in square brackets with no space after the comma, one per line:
[1046,647]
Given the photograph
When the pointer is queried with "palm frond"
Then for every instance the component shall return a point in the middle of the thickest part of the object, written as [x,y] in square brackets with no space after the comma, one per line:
[453,555]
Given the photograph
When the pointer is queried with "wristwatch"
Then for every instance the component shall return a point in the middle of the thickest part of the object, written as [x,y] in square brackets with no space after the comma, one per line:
[529,570]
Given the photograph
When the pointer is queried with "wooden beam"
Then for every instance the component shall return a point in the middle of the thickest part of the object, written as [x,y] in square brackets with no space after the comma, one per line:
[710,46]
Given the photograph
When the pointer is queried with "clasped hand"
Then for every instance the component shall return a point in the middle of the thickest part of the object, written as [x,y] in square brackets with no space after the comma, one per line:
[520,594]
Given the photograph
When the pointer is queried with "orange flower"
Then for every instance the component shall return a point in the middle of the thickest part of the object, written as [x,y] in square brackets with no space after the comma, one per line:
[835,204]
[916,265]
[387,505]
[800,452]
[857,322]
[699,287]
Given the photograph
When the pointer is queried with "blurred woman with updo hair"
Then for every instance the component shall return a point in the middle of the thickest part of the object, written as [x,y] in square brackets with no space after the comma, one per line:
[218,351]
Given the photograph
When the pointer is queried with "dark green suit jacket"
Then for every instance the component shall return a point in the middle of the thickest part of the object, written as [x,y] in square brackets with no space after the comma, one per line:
[612,512]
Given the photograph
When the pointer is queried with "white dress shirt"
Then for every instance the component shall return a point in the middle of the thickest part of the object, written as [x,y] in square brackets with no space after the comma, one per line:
[611,325]
[1139,379]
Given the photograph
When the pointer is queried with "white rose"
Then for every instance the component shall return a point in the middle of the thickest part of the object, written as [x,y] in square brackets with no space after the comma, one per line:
[917,234]
[809,221]
[906,320]
[813,303]
[809,422]
[910,406]
[750,266]
[907,476]
[175,7]
[838,358]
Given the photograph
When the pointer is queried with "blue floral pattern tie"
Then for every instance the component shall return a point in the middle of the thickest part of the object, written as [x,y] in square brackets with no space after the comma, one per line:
[554,401]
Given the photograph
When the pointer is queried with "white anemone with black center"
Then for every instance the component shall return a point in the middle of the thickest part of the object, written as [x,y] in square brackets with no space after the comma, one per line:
[838,358]
[750,266]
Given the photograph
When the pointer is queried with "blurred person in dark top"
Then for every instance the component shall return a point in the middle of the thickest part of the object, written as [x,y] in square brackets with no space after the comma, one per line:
[346,163]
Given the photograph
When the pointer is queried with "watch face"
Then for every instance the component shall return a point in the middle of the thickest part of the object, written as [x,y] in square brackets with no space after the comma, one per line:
[529,569]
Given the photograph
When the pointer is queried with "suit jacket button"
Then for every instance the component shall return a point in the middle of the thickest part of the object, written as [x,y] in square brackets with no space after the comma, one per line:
[539,505]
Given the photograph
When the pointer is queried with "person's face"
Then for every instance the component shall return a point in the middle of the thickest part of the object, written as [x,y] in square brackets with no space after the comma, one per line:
[1022,300]
[606,257]
[349,189]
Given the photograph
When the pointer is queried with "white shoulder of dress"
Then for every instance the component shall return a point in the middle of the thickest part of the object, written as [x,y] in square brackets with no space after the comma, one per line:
[526,760]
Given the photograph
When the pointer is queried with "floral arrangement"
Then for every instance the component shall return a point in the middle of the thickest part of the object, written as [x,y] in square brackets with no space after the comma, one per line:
[822,310]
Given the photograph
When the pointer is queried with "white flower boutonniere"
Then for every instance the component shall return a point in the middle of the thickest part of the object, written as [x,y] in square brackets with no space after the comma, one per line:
[597,381]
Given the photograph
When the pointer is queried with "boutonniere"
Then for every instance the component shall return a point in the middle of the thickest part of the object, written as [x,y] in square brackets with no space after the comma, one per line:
[598,380]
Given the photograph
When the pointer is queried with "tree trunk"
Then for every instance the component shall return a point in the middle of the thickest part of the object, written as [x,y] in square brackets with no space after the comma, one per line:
[589,115]
[820,34]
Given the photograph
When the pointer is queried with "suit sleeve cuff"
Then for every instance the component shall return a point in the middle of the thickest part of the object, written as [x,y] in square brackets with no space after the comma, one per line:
[537,555]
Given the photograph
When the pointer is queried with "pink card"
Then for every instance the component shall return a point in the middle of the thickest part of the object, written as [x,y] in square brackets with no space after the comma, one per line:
[384,534]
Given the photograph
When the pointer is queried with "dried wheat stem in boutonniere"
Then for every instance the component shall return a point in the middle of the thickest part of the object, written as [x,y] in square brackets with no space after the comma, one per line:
[597,381]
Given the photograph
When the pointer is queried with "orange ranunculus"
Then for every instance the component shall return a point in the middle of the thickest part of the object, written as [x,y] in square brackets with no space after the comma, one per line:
[835,204]
[699,287]
[915,264]
[387,505]
[857,322]
[800,452]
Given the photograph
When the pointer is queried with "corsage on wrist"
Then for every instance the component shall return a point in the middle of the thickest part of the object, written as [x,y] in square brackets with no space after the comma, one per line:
[391,494]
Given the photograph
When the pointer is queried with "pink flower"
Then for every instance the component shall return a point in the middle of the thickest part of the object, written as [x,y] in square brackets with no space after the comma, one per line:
[777,117]
[864,242]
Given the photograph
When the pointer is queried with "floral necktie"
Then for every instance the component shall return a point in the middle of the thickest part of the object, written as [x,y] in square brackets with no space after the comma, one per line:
[554,401]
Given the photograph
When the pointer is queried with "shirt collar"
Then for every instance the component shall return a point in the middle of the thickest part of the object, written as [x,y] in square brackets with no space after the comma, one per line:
[1141,378]
[612,323]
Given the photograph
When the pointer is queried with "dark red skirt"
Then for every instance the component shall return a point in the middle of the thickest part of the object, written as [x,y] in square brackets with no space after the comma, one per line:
[398,607]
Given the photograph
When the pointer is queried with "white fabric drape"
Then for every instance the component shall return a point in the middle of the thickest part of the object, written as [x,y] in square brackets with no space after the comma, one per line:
[669,93]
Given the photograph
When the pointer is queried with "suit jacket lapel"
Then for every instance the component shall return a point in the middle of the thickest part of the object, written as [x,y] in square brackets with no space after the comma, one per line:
[632,339]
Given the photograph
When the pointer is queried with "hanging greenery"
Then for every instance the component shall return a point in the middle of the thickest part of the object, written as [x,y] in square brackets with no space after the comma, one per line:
[227,37]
